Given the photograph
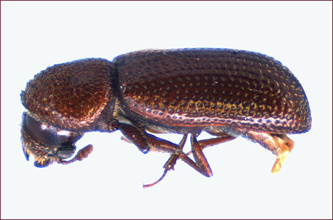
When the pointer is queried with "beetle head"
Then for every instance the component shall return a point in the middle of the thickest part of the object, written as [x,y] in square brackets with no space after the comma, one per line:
[62,103]
[48,144]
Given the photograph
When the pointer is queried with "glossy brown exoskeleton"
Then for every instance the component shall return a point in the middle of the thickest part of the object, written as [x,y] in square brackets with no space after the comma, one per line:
[227,93]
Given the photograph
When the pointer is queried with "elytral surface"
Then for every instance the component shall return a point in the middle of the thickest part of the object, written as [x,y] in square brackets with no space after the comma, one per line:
[225,87]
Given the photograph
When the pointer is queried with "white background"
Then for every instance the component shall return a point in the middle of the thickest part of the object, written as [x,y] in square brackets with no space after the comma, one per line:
[108,184]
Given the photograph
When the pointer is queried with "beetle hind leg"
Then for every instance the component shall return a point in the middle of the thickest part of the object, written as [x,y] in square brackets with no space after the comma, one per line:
[279,144]
[223,137]
[285,145]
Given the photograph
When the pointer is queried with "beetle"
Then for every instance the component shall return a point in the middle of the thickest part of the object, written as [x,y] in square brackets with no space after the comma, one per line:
[224,92]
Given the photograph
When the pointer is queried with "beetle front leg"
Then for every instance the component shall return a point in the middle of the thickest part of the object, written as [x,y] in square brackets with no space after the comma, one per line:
[147,142]
[169,165]
[136,136]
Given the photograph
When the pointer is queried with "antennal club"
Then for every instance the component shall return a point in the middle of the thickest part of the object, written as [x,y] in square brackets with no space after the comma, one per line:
[83,153]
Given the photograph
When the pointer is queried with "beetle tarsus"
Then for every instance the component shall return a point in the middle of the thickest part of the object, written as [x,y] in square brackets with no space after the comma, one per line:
[285,148]
[157,181]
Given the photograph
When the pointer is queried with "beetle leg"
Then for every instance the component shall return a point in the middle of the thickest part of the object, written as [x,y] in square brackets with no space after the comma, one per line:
[147,142]
[285,146]
[200,158]
[169,165]
[125,139]
[214,141]
[135,135]
[160,145]
[279,144]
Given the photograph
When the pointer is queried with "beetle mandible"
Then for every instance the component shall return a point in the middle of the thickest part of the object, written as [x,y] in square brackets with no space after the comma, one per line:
[225,92]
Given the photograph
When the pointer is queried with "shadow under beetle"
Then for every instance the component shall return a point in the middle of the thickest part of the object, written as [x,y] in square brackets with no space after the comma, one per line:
[227,93]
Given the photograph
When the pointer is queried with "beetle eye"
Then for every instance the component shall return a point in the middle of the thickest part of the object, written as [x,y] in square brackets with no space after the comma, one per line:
[66,150]
[47,134]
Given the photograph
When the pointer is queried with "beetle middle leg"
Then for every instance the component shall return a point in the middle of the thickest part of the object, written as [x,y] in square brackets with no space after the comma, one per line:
[198,146]
[200,158]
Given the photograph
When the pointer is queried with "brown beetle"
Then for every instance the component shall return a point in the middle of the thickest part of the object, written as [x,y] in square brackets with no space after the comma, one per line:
[227,93]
